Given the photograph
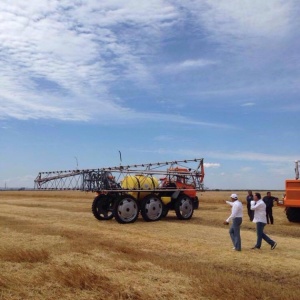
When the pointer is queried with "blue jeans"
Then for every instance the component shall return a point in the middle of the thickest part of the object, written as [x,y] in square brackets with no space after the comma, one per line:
[235,235]
[261,235]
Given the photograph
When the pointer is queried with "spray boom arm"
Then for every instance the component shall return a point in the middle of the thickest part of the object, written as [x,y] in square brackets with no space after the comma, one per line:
[109,179]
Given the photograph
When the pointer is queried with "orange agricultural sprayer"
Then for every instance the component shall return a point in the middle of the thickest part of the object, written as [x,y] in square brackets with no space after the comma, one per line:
[123,192]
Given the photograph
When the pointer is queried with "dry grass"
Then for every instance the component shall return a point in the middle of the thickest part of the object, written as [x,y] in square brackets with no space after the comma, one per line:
[24,255]
[53,248]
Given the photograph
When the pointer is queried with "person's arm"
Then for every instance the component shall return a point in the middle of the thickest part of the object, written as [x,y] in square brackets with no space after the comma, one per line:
[233,212]
[226,222]
[253,205]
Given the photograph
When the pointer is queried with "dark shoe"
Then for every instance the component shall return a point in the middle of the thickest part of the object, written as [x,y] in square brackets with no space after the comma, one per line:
[273,246]
[255,248]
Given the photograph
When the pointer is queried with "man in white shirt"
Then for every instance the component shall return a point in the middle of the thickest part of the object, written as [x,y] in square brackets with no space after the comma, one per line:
[237,218]
[259,207]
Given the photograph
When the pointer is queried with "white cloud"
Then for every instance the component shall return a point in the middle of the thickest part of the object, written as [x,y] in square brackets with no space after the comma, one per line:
[61,59]
[212,165]
[248,104]
[243,21]
[189,65]
[80,48]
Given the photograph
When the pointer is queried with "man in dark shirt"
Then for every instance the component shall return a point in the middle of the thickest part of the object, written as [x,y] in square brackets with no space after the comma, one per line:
[269,201]
[249,198]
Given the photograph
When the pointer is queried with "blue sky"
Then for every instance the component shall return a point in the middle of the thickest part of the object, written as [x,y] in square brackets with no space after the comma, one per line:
[157,80]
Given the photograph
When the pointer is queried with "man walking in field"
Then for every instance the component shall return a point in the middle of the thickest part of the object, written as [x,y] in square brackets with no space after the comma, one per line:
[237,218]
[259,207]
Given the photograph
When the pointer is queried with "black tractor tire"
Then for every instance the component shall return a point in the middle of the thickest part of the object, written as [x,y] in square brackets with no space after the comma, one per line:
[184,207]
[293,214]
[196,203]
[165,211]
[126,210]
[102,207]
[151,208]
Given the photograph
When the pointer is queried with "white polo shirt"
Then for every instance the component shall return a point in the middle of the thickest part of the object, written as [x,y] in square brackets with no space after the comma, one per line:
[236,210]
[259,211]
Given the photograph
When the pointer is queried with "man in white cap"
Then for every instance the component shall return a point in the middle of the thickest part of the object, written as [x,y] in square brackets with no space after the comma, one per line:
[237,218]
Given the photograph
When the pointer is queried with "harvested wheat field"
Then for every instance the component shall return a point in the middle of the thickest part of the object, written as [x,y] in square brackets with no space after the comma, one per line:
[52,247]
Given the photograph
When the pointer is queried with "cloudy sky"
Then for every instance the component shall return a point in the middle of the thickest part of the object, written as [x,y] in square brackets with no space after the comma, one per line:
[157,80]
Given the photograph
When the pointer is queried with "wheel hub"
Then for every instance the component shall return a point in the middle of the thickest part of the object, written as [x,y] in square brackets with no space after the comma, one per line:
[127,210]
[153,208]
[186,208]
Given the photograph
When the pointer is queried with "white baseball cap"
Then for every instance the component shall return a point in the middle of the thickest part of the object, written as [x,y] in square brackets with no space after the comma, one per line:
[234,196]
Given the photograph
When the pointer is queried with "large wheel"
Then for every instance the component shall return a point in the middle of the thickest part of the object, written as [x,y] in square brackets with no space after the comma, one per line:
[165,211]
[196,203]
[102,207]
[184,207]
[293,214]
[151,208]
[126,210]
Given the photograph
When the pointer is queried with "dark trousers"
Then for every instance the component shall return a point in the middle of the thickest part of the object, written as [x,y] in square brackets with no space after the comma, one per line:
[235,235]
[269,214]
[250,212]
[261,235]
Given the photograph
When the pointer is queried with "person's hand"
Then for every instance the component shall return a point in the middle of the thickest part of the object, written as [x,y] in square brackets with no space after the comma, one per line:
[252,202]
[225,223]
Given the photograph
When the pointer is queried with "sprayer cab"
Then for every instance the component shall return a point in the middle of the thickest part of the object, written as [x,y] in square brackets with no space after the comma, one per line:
[180,178]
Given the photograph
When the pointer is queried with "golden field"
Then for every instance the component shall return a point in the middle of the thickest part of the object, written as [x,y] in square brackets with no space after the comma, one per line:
[52,247]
